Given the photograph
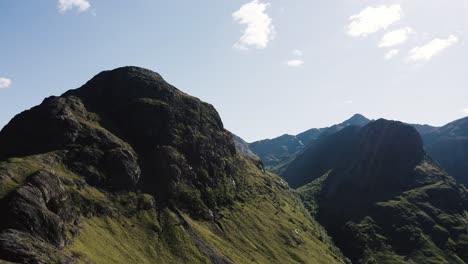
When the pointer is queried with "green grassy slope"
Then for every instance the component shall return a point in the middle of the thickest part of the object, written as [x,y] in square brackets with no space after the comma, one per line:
[427,224]
[267,225]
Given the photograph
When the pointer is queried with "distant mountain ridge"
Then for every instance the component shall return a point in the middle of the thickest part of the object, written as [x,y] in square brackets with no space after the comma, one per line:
[448,145]
[277,152]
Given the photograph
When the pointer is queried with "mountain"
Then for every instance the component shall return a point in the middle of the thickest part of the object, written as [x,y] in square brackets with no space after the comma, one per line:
[448,145]
[424,129]
[129,169]
[278,152]
[243,146]
[382,198]
[321,155]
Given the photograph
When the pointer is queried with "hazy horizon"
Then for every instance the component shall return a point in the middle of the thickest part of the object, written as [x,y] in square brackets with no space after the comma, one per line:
[270,67]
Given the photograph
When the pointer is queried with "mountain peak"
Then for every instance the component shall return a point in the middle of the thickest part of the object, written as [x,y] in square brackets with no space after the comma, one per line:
[132,113]
[119,86]
[129,71]
[128,75]
[356,120]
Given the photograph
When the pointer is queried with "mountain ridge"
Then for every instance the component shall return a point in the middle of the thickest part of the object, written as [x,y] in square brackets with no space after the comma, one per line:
[446,144]
[278,152]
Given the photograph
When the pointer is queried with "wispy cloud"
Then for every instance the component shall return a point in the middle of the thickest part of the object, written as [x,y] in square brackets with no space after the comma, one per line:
[297,52]
[391,53]
[259,25]
[431,49]
[395,37]
[67,5]
[295,63]
[373,19]
[5,83]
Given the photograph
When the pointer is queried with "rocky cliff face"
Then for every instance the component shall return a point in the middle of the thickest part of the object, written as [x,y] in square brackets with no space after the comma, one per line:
[380,163]
[129,168]
[128,129]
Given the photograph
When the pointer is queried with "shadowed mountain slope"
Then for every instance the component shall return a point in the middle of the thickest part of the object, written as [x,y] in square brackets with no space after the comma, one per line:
[128,169]
[448,145]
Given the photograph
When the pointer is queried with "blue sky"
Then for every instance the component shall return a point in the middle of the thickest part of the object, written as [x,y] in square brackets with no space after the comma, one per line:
[269,66]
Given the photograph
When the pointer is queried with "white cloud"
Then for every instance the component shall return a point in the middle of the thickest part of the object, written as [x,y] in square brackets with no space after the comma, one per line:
[465,111]
[295,63]
[431,49]
[67,5]
[373,19]
[391,53]
[395,37]
[259,27]
[4,83]
[297,52]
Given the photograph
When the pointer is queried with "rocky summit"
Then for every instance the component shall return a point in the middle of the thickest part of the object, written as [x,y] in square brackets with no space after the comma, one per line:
[129,169]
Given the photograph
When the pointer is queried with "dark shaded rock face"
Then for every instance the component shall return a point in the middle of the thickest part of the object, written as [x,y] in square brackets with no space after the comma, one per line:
[33,216]
[376,153]
[376,164]
[383,143]
[159,122]
[381,161]
[149,117]
[63,123]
